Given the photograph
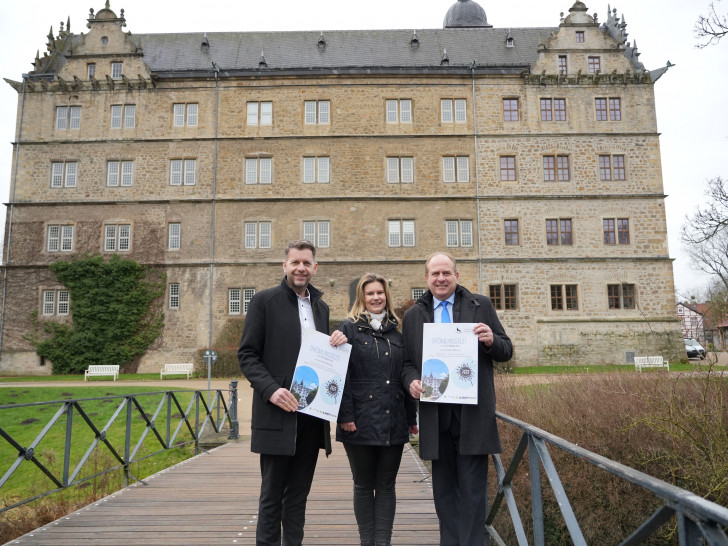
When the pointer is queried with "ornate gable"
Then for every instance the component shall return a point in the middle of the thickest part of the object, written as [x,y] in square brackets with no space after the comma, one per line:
[581,51]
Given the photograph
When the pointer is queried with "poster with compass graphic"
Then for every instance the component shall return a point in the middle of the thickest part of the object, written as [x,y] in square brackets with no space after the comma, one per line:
[318,380]
[450,363]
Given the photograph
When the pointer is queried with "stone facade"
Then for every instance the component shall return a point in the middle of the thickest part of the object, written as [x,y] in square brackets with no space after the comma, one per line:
[620,292]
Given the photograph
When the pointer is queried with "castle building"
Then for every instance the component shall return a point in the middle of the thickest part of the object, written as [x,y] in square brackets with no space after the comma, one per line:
[530,154]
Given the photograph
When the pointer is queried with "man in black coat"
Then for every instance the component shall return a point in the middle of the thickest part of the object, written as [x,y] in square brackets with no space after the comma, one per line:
[288,442]
[457,438]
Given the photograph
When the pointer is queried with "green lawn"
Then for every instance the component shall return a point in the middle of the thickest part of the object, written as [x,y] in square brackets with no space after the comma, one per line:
[24,423]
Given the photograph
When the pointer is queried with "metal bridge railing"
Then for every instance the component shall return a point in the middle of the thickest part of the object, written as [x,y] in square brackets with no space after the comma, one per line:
[195,419]
[699,521]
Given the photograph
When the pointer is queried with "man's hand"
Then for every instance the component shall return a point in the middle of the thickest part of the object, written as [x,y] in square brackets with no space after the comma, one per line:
[337,338]
[414,429]
[484,333]
[416,389]
[348,427]
[284,400]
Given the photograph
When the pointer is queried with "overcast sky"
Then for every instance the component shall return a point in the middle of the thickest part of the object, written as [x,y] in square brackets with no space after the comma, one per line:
[691,106]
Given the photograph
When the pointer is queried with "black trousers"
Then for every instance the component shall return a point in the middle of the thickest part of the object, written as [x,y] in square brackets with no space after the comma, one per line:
[285,484]
[459,487]
[374,469]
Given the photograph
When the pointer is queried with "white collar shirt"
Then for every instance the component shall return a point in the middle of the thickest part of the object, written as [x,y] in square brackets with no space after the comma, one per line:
[305,313]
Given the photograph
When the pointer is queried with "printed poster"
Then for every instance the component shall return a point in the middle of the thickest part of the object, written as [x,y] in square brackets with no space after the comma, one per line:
[318,381]
[449,363]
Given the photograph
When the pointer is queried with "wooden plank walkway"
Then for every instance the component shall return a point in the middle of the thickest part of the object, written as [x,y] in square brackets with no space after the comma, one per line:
[213,499]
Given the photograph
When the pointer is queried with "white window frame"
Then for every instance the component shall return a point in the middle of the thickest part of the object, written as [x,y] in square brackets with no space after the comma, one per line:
[123,115]
[117,69]
[456,169]
[459,233]
[48,303]
[400,170]
[90,71]
[119,173]
[174,236]
[64,173]
[248,294]
[258,170]
[234,301]
[174,296]
[316,170]
[401,233]
[68,117]
[317,232]
[185,113]
[55,302]
[453,110]
[60,238]
[117,237]
[259,113]
[398,110]
[182,172]
[417,293]
[257,234]
[317,112]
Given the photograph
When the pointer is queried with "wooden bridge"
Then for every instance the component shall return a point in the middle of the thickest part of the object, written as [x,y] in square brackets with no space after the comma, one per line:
[213,499]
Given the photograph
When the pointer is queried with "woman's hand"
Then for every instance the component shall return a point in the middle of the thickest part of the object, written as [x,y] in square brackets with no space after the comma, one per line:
[337,338]
[348,427]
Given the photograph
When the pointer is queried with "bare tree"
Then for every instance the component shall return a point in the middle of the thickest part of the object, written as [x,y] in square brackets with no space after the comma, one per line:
[710,28]
[705,233]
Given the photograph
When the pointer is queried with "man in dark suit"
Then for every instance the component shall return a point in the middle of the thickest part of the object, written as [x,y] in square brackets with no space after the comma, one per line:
[457,438]
[288,442]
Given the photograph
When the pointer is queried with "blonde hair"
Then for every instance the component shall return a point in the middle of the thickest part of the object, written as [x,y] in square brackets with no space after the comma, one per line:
[359,309]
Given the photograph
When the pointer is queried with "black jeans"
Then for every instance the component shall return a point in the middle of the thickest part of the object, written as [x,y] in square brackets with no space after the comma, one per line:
[285,484]
[374,469]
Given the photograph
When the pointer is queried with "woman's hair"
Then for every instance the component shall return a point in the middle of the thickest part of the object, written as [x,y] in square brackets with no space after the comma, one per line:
[358,310]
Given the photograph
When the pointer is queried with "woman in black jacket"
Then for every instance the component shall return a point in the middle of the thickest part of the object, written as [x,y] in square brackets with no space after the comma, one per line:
[376,413]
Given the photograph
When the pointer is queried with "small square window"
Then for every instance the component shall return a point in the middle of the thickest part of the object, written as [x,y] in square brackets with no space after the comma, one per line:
[510,110]
[507,168]
[594,64]
[511,232]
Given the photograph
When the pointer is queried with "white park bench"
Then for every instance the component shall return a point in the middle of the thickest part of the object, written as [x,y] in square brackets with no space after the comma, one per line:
[650,362]
[176,369]
[102,369]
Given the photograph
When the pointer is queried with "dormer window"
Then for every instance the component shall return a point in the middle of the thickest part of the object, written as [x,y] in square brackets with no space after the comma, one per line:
[595,65]
[116,69]
[579,36]
[562,64]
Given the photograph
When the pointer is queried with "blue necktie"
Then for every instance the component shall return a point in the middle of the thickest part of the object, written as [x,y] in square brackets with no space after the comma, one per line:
[445,316]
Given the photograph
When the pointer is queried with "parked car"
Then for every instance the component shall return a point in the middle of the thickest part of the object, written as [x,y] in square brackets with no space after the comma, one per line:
[694,349]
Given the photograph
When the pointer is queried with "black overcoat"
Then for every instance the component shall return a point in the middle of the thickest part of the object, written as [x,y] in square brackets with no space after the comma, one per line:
[268,352]
[479,432]
[374,399]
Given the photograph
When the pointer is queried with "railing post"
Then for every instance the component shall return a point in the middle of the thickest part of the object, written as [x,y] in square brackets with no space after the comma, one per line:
[233,410]
[127,441]
[69,437]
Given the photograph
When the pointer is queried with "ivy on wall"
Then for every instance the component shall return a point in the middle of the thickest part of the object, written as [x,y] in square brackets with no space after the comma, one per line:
[117,314]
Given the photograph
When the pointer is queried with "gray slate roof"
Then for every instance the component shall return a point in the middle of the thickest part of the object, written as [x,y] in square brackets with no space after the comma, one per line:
[376,50]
